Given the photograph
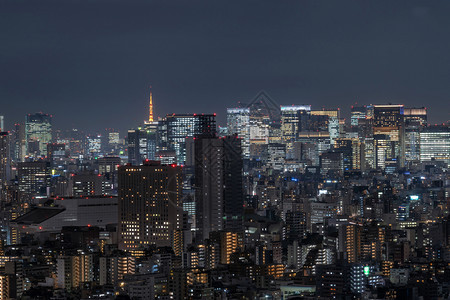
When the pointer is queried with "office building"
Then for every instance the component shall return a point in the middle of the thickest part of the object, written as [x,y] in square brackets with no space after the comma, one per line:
[295,226]
[435,144]
[108,166]
[19,143]
[94,145]
[238,122]
[332,163]
[218,184]
[149,204]
[56,154]
[34,179]
[137,146]
[389,135]
[290,119]
[5,159]
[358,113]
[328,118]
[415,120]
[181,126]
[86,184]
[38,131]
[276,153]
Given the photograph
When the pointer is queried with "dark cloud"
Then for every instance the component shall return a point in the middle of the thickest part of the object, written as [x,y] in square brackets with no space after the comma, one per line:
[90,63]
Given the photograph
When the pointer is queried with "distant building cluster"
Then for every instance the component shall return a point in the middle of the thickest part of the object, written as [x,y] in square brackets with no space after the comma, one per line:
[284,202]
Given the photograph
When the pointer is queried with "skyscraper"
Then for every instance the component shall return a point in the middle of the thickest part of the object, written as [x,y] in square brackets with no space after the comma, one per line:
[137,146]
[357,113]
[5,161]
[415,120]
[20,144]
[218,184]
[180,127]
[233,193]
[290,118]
[238,122]
[389,135]
[94,145]
[435,144]
[34,179]
[209,186]
[38,129]
[149,204]
[332,121]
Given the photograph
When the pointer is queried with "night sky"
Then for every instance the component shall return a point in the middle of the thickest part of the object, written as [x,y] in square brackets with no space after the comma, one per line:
[90,63]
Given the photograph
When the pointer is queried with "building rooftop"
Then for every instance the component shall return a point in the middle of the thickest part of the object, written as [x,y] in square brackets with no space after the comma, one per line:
[38,215]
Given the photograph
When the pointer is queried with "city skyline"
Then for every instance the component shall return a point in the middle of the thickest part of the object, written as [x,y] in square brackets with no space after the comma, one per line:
[214,150]
[345,114]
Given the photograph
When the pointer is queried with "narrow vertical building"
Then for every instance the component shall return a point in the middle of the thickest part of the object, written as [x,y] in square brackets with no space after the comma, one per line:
[238,122]
[218,184]
[5,161]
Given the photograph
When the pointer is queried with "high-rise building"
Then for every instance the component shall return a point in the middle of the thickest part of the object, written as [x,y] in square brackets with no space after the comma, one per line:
[314,144]
[153,144]
[113,138]
[357,113]
[180,127]
[295,226]
[415,120]
[94,145]
[276,153]
[389,135]
[230,242]
[56,154]
[352,236]
[357,279]
[218,183]
[233,190]
[149,204]
[34,178]
[108,167]
[73,270]
[332,163]
[331,118]
[111,142]
[260,130]
[290,119]
[352,150]
[38,129]
[5,159]
[115,268]
[435,144]
[19,151]
[238,122]
[137,146]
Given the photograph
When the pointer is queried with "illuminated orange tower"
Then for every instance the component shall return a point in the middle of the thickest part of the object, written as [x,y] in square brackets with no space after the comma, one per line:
[150,111]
